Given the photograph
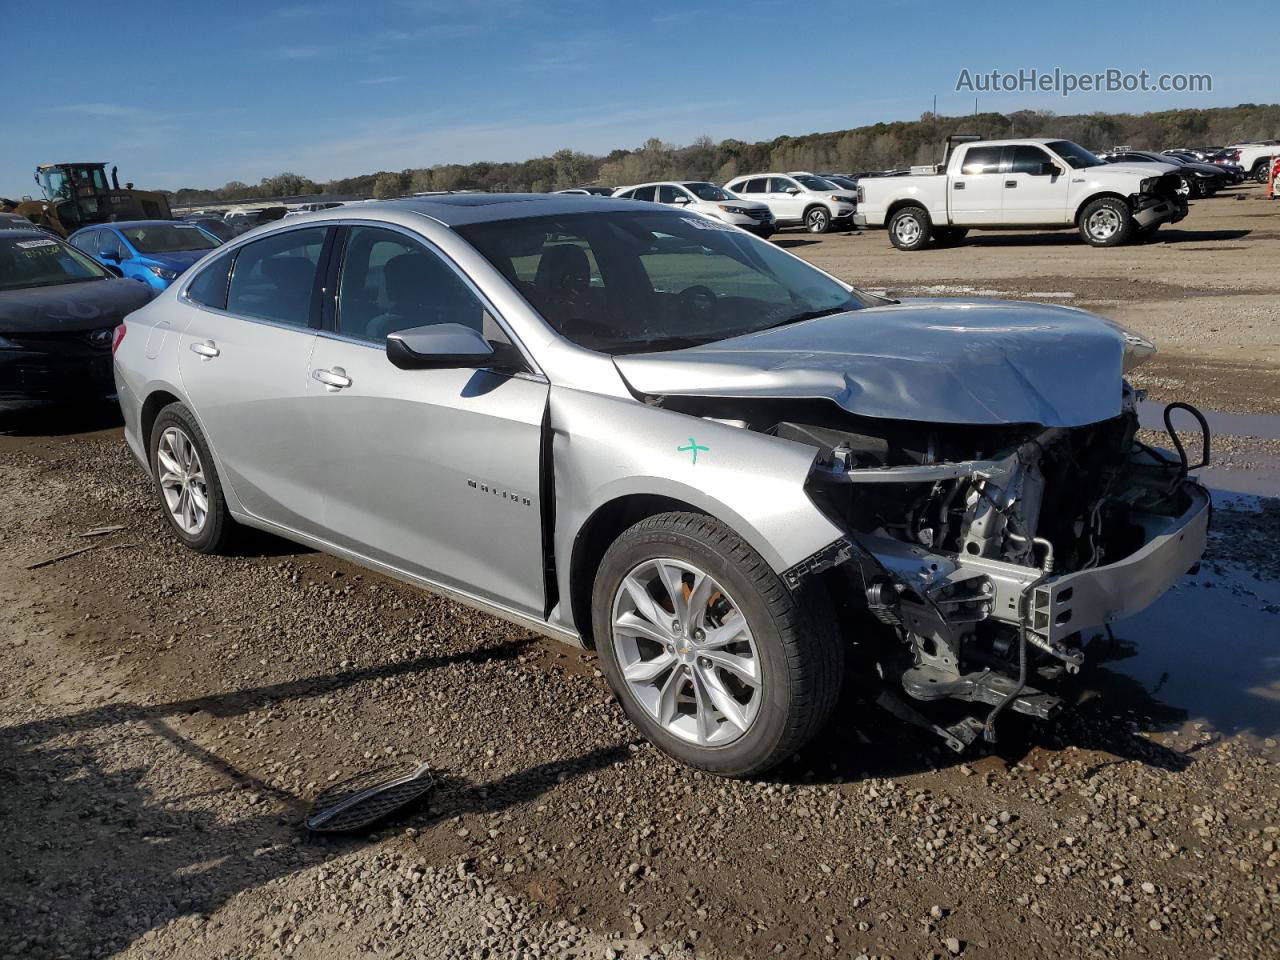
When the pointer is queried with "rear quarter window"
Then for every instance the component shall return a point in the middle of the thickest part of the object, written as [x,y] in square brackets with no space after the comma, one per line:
[209,287]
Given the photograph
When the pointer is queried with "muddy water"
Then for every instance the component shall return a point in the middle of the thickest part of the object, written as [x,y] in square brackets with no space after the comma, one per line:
[1264,426]
[1208,651]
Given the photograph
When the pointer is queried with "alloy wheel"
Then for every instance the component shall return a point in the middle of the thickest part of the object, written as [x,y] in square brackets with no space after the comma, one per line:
[907,230]
[1104,224]
[686,653]
[182,481]
[817,221]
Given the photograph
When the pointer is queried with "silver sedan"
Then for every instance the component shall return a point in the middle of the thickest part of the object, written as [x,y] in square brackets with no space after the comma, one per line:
[647,432]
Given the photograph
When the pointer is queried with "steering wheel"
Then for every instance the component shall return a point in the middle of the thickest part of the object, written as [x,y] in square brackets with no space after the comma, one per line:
[698,301]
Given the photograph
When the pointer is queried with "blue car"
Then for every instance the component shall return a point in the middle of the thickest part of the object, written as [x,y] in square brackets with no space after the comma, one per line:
[153,251]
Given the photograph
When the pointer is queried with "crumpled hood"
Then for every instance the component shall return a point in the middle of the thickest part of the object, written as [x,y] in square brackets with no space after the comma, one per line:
[935,360]
[71,307]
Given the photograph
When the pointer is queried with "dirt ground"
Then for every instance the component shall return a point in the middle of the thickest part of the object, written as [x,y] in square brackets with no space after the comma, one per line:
[165,719]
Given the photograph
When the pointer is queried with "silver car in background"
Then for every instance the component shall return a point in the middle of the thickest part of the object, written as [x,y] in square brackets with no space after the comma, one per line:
[654,435]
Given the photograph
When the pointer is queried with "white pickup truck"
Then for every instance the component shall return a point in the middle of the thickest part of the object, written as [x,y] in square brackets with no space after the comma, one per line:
[1256,158]
[1019,184]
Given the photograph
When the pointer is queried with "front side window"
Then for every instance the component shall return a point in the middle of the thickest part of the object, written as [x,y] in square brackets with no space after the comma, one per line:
[979,160]
[781,184]
[1029,160]
[109,244]
[669,194]
[168,238]
[632,282]
[390,282]
[274,278]
[29,261]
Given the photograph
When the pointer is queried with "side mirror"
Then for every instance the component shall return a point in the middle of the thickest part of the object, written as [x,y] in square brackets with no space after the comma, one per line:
[682,201]
[793,190]
[1048,169]
[440,346]
[112,256]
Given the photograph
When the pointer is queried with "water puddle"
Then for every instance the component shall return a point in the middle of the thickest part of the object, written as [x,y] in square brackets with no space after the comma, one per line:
[1208,651]
[1264,426]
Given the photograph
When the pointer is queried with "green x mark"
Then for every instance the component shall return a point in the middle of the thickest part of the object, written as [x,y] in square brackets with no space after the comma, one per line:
[693,448]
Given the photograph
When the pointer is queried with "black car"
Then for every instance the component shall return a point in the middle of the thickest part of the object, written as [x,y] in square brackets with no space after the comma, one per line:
[1198,179]
[58,313]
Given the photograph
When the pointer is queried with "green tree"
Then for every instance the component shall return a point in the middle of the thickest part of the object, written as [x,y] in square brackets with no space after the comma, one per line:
[388,185]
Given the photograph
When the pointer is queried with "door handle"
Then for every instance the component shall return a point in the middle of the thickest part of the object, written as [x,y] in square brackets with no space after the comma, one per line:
[1010,183]
[957,186]
[207,350]
[334,380]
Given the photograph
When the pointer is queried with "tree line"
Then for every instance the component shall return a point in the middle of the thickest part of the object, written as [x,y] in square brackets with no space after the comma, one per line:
[880,146]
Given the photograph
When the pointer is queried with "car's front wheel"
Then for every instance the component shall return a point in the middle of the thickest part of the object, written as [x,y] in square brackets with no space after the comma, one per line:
[1107,222]
[817,220]
[715,660]
[187,481]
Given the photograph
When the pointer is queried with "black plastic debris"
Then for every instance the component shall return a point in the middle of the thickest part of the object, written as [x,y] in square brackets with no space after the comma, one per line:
[367,797]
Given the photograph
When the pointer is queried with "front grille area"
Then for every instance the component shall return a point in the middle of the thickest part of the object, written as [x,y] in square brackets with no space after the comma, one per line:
[758,214]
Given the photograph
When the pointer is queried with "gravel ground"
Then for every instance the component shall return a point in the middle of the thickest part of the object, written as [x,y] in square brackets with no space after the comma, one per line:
[165,719]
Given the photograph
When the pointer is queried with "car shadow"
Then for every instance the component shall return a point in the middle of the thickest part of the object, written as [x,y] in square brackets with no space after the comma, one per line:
[792,242]
[91,836]
[1071,238]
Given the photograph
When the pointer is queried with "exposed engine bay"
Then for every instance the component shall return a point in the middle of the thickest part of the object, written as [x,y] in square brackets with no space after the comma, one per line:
[989,551]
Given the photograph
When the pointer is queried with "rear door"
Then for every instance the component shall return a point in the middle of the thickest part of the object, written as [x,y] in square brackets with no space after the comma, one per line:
[1031,195]
[244,364]
[433,472]
[976,190]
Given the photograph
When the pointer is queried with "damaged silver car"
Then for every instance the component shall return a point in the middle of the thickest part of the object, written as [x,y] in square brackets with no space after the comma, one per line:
[652,434]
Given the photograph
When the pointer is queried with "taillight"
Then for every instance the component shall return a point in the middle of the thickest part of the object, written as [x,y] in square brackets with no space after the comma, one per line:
[117,336]
[1235,156]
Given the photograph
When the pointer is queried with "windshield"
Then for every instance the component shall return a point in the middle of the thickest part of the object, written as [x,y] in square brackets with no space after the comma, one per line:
[168,238]
[843,182]
[635,282]
[707,191]
[27,261]
[815,183]
[1077,157]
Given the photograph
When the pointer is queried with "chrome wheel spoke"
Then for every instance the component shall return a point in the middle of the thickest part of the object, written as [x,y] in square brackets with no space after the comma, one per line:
[744,668]
[181,477]
[688,657]
[729,708]
[646,671]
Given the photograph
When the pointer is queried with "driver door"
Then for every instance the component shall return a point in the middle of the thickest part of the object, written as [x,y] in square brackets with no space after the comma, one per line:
[1031,195]
[785,204]
[432,472]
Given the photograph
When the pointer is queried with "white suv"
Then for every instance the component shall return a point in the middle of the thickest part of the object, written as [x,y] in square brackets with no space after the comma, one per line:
[798,198]
[705,198]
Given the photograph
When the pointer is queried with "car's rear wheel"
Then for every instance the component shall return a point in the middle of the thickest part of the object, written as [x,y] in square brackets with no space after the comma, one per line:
[1260,171]
[711,656]
[187,482]
[817,220]
[910,228]
[1106,222]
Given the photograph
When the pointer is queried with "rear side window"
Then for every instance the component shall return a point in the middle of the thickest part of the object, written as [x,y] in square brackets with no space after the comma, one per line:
[756,185]
[274,278]
[981,160]
[209,288]
[644,193]
[87,241]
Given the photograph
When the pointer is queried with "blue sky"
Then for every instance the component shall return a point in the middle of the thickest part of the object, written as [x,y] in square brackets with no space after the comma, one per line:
[184,94]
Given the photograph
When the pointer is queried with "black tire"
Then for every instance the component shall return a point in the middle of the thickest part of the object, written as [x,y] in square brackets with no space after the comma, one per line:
[218,529]
[910,227]
[949,236]
[800,656]
[1260,171]
[817,219]
[1106,222]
